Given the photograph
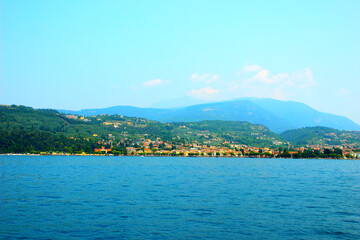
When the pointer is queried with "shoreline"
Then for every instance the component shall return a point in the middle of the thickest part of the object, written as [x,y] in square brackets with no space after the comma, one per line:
[112,155]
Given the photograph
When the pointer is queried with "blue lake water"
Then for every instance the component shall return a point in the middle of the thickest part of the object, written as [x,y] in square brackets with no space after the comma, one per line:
[55,197]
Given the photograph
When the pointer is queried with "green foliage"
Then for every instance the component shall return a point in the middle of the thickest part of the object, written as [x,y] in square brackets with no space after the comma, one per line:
[217,132]
[310,153]
[321,136]
[24,129]
[21,141]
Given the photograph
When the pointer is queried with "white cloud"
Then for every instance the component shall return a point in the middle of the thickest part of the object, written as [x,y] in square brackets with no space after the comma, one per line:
[154,82]
[247,70]
[278,94]
[251,68]
[300,79]
[255,81]
[262,76]
[343,92]
[207,77]
[203,93]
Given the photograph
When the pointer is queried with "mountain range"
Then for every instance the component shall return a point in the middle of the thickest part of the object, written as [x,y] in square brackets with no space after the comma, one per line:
[27,130]
[278,116]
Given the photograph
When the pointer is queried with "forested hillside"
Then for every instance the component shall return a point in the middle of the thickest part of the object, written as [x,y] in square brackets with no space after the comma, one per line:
[322,136]
[278,116]
[24,129]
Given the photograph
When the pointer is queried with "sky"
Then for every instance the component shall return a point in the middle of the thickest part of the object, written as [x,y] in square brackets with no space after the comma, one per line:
[93,54]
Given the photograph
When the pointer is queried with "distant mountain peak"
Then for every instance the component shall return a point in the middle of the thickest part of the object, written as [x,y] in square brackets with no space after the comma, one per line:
[277,115]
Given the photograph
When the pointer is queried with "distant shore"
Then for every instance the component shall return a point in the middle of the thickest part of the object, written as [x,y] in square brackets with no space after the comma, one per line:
[112,155]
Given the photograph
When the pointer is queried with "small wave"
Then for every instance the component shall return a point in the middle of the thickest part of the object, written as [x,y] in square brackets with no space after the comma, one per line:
[347,214]
[50,197]
[351,221]
[326,232]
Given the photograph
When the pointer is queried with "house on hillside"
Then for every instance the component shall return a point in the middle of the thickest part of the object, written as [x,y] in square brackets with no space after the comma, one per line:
[102,149]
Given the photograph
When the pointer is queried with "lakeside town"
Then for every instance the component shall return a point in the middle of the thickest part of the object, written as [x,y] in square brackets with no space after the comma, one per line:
[116,135]
[160,148]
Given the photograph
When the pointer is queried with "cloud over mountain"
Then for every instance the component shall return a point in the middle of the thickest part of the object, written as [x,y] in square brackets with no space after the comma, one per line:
[203,93]
[206,77]
[154,82]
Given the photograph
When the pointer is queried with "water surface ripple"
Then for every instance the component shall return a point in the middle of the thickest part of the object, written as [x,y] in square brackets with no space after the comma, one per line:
[53,197]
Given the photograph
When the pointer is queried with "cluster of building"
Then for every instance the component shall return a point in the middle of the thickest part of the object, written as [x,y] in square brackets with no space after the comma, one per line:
[148,147]
[76,117]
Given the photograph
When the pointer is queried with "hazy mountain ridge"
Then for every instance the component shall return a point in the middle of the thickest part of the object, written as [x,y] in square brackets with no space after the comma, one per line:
[302,115]
[24,129]
[277,115]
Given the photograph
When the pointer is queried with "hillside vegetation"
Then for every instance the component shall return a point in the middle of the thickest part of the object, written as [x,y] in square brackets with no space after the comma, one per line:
[24,129]
[322,136]
[278,116]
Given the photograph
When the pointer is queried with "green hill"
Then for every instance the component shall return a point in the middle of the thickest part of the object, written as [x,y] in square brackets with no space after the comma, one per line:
[24,129]
[322,136]
[277,115]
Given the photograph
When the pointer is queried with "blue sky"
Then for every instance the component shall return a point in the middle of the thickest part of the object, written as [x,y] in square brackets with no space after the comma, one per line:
[93,54]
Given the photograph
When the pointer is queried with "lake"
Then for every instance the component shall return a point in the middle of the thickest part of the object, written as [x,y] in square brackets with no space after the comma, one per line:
[92,197]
